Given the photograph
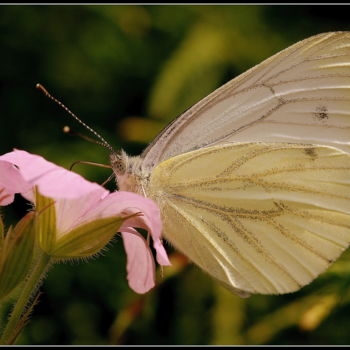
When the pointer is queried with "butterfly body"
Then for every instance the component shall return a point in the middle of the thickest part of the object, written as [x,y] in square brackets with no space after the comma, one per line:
[253,181]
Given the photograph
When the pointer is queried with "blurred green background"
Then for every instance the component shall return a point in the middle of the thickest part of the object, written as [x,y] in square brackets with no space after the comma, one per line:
[127,71]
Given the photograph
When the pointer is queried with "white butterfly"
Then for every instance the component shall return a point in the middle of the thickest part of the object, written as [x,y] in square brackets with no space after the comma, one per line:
[253,181]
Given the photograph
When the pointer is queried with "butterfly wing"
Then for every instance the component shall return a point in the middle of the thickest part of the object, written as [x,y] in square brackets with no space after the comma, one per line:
[301,94]
[260,217]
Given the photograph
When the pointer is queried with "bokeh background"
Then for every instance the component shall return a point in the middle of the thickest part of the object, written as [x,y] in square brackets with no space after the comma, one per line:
[127,71]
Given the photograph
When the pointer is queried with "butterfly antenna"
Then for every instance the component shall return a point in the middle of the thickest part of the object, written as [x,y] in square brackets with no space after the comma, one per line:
[47,94]
[69,131]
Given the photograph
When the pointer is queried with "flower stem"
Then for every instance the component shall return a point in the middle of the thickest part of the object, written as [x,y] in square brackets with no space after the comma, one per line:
[31,285]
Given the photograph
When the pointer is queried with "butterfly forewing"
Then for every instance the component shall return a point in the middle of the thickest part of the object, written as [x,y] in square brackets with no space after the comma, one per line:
[260,217]
[301,94]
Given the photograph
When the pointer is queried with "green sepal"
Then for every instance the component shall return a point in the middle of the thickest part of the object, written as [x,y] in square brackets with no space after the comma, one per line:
[45,222]
[87,239]
[17,254]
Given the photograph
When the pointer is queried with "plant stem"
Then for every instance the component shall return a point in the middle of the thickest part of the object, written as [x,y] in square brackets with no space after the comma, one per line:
[31,285]
[6,303]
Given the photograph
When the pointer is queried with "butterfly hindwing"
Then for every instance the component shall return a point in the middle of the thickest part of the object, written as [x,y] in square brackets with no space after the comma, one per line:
[260,217]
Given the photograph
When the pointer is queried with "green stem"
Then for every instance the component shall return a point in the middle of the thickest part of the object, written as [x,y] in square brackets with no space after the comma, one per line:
[30,287]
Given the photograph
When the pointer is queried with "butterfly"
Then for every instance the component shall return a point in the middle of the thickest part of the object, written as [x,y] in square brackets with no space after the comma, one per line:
[253,181]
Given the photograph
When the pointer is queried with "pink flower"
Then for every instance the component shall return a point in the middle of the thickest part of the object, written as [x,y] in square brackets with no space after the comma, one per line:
[11,182]
[79,202]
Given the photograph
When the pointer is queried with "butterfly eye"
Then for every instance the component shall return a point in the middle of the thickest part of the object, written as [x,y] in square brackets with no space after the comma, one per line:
[120,167]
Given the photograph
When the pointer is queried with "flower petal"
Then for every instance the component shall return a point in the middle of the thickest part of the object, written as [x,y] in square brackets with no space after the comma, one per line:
[151,221]
[11,182]
[53,181]
[129,203]
[140,264]
[73,212]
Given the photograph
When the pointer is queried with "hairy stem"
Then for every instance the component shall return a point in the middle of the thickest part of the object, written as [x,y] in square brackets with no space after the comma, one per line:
[30,287]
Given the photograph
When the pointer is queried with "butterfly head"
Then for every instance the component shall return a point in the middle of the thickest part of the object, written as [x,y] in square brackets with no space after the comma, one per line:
[119,162]
[127,171]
